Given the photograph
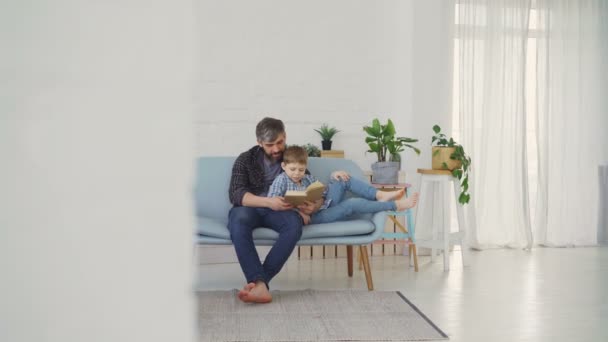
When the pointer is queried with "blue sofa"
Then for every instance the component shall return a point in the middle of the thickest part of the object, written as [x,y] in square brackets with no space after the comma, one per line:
[212,207]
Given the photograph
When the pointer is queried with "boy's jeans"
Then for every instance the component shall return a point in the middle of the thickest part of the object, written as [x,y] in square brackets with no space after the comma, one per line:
[340,209]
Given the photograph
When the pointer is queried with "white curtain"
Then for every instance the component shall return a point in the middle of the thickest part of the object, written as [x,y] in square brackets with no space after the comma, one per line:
[572,119]
[532,109]
[491,57]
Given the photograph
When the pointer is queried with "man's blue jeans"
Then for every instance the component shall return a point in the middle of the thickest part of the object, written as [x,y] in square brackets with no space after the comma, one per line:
[340,209]
[241,223]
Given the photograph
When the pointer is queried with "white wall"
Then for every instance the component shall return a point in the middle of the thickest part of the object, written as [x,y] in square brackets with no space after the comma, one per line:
[433,31]
[97,145]
[309,62]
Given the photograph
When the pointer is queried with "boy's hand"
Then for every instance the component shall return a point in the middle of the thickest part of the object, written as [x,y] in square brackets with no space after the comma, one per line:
[305,218]
[340,175]
[309,208]
[278,204]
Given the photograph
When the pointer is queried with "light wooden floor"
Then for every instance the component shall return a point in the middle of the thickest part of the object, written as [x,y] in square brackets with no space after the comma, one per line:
[547,294]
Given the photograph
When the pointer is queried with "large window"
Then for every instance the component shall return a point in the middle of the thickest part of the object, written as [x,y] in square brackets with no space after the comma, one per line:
[536,21]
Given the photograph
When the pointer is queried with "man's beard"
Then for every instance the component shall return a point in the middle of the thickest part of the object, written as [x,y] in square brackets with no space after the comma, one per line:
[275,157]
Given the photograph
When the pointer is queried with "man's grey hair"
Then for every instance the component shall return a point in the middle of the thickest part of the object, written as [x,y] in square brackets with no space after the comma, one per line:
[268,129]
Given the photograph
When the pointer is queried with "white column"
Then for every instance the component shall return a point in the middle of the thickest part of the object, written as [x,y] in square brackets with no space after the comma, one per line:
[95,138]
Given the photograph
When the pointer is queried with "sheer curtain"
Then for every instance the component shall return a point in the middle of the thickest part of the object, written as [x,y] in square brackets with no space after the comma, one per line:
[532,113]
[491,40]
[571,130]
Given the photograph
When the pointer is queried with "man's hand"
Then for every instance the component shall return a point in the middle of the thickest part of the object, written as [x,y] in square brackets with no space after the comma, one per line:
[278,204]
[305,218]
[309,208]
[340,175]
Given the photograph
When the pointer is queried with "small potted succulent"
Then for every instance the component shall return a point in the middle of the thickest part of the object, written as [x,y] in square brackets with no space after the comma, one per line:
[326,133]
[449,155]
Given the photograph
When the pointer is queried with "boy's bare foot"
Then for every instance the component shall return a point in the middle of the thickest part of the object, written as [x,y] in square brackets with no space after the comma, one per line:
[385,196]
[255,293]
[407,203]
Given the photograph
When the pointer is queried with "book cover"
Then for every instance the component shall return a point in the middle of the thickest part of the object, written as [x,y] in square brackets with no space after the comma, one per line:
[312,193]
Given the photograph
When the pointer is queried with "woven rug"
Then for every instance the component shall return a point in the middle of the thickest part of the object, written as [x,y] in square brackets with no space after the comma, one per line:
[310,315]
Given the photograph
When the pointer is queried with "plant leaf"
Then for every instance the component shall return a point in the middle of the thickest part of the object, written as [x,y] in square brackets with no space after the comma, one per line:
[373,147]
[390,128]
[376,126]
[462,198]
[371,131]
[417,150]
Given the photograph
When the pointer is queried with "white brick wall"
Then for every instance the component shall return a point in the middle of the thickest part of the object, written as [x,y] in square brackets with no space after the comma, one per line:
[341,62]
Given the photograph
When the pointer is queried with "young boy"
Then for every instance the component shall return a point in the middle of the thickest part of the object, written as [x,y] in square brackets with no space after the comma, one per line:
[335,207]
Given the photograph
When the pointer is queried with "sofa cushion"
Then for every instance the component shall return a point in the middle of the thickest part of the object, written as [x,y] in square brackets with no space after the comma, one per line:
[217,229]
[211,187]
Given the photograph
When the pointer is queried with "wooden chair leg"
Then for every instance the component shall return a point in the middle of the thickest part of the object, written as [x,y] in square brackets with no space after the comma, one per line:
[349,259]
[359,259]
[409,254]
[415,255]
[366,267]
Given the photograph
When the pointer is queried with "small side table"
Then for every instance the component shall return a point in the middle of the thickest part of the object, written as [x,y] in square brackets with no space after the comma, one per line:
[442,237]
[405,235]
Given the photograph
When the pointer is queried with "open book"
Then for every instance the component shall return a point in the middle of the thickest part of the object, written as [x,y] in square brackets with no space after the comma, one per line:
[312,193]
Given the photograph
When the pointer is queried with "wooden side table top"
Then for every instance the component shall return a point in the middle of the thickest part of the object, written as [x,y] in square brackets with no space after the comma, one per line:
[332,154]
[434,172]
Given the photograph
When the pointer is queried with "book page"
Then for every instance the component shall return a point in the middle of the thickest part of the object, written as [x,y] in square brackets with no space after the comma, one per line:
[313,192]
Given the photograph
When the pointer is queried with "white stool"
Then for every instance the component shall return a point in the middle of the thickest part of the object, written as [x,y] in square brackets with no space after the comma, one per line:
[442,237]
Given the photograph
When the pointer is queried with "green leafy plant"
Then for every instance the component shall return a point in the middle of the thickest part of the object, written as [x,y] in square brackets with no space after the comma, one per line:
[312,150]
[381,140]
[326,132]
[463,162]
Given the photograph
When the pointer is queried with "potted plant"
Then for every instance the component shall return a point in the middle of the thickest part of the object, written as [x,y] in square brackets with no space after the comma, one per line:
[326,133]
[312,150]
[381,140]
[449,155]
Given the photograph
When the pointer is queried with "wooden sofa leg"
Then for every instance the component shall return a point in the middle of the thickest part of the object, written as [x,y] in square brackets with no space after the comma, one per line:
[349,259]
[415,254]
[368,272]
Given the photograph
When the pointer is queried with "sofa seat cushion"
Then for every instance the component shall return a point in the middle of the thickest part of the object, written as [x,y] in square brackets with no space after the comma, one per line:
[217,229]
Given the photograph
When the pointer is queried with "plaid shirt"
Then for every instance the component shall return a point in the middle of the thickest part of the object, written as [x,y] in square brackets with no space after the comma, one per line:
[282,184]
[247,176]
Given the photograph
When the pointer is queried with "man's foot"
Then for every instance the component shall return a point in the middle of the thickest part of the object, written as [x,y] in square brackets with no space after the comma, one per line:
[407,203]
[255,293]
[246,289]
[385,196]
